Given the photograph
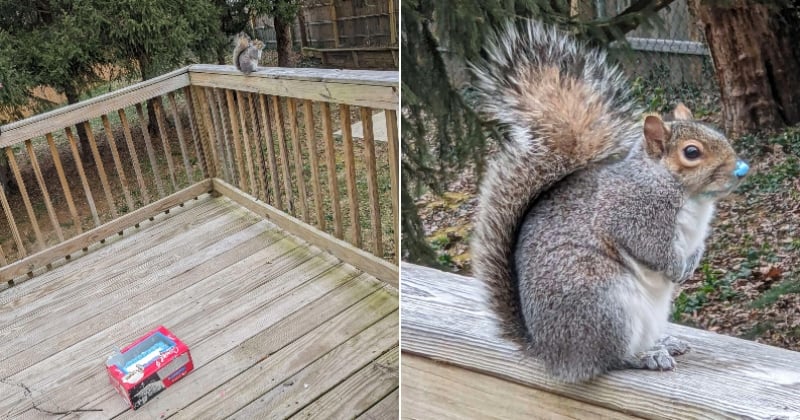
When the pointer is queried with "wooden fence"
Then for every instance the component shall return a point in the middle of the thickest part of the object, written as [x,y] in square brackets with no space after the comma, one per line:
[265,140]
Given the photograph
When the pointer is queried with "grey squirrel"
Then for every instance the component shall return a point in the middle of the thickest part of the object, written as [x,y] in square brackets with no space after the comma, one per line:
[247,53]
[588,218]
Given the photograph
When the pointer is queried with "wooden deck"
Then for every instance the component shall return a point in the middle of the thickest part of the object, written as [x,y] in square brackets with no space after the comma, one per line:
[276,327]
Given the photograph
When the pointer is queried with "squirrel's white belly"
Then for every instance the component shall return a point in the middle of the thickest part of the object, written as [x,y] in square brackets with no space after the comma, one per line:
[691,229]
[647,298]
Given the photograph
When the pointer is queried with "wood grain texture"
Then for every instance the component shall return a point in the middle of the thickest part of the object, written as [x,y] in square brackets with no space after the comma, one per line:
[446,318]
[237,142]
[372,181]
[76,158]
[201,107]
[194,125]
[394,176]
[311,144]
[162,130]
[241,100]
[176,116]
[224,140]
[101,170]
[112,143]
[300,180]
[277,115]
[433,390]
[81,241]
[330,157]
[361,259]
[137,167]
[350,174]
[43,188]
[70,115]
[266,130]
[387,409]
[56,156]
[258,144]
[21,252]
[151,153]
[26,199]
[359,392]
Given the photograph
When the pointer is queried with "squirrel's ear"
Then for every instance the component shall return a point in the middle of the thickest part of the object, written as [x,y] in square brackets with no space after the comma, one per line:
[655,136]
[681,112]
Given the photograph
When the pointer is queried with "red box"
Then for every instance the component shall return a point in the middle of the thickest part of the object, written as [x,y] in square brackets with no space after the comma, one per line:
[149,365]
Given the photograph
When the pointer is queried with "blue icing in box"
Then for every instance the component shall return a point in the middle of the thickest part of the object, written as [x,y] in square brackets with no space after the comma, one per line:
[144,353]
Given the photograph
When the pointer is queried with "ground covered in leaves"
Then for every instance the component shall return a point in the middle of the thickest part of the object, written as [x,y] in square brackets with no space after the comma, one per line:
[748,284]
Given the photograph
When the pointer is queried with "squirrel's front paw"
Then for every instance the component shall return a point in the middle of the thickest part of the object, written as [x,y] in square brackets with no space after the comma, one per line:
[657,359]
[675,346]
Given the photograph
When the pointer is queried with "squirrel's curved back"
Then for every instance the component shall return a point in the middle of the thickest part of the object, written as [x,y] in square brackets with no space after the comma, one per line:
[560,107]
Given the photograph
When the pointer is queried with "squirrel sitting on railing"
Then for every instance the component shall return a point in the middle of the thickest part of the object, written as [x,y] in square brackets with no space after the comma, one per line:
[247,53]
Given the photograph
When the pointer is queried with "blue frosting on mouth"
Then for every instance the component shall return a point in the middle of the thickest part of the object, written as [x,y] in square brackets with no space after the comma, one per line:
[741,169]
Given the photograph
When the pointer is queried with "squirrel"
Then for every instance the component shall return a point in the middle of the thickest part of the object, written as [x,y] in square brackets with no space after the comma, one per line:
[247,53]
[588,216]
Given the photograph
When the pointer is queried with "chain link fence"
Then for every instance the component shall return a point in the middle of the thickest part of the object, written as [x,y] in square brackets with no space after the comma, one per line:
[667,59]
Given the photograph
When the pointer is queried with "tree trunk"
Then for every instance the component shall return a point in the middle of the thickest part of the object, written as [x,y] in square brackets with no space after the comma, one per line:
[73,97]
[145,69]
[301,20]
[755,62]
[283,37]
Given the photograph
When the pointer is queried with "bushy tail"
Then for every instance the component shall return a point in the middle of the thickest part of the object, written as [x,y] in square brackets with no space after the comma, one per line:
[242,43]
[560,107]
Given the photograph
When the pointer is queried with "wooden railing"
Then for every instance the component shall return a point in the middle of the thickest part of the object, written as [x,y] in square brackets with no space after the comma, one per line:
[270,138]
[455,361]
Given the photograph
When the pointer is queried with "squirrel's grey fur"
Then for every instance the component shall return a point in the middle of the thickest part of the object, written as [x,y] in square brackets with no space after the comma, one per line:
[582,229]
[247,53]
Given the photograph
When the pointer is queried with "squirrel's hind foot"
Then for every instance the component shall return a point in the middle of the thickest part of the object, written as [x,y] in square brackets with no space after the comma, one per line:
[657,358]
[675,346]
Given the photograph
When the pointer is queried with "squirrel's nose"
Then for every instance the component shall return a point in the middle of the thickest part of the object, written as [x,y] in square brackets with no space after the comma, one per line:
[741,169]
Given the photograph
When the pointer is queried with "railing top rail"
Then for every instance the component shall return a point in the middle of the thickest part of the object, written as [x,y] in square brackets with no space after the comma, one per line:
[359,77]
[27,128]
[447,317]
[289,82]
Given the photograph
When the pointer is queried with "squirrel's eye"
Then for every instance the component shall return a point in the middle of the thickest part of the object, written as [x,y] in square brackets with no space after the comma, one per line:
[691,152]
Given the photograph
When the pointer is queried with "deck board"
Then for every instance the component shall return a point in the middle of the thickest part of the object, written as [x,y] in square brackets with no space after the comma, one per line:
[255,305]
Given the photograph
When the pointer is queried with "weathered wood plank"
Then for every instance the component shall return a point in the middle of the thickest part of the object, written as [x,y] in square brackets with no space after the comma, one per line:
[394,178]
[12,161]
[359,392]
[375,89]
[446,317]
[201,106]
[237,142]
[311,143]
[258,136]
[162,130]
[191,113]
[302,195]
[81,241]
[151,154]
[266,130]
[372,182]
[350,173]
[387,409]
[223,140]
[101,171]
[248,155]
[176,116]
[51,212]
[76,157]
[342,250]
[54,153]
[288,377]
[11,222]
[137,167]
[277,114]
[330,155]
[117,161]
[266,330]
[48,122]
[442,391]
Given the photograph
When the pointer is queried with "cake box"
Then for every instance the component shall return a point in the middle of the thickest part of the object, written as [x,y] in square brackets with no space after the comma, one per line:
[148,366]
